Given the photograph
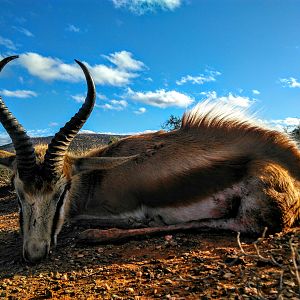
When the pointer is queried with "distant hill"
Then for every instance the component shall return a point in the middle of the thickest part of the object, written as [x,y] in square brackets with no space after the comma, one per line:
[81,141]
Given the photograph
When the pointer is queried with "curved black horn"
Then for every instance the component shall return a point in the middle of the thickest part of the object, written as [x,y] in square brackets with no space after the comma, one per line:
[54,157]
[25,155]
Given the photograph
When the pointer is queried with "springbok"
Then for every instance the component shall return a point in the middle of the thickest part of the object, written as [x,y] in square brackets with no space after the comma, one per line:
[218,169]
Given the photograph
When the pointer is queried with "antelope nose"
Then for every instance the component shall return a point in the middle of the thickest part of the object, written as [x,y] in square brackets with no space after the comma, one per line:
[35,251]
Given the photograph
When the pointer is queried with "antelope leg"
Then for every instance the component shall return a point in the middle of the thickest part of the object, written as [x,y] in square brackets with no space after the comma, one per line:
[115,234]
[125,223]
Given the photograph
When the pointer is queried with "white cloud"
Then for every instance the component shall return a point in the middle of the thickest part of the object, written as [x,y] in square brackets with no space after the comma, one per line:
[231,99]
[21,79]
[115,105]
[124,61]
[200,79]
[79,98]
[39,132]
[160,98]
[140,111]
[48,68]
[53,124]
[101,96]
[282,124]
[111,76]
[18,93]
[140,7]
[9,44]
[87,131]
[290,82]
[255,92]
[4,138]
[72,28]
[24,31]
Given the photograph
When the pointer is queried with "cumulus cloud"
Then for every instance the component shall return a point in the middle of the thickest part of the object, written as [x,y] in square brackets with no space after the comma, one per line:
[72,28]
[255,92]
[290,82]
[140,111]
[231,99]
[9,44]
[141,7]
[200,79]
[282,124]
[160,98]
[87,131]
[39,132]
[115,105]
[124,61]
[289,121]
[4,138]
[18,93]
[79,98]
[49,69]
[24,31]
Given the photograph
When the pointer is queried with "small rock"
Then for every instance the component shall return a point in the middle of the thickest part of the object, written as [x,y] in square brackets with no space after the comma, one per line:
[169,281]
[130,290]
[289,283]
[64,277]
[228,275]
[168,238]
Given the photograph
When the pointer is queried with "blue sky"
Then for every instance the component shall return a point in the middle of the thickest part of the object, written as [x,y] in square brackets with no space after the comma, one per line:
[149,59]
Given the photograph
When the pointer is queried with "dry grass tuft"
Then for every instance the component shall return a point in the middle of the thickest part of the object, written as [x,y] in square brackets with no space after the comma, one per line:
[5,174]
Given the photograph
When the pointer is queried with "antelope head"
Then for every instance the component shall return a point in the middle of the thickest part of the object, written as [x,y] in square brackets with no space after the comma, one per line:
[42,186]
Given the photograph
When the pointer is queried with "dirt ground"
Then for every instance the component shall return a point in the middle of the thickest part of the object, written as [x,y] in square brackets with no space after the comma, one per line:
[189,265]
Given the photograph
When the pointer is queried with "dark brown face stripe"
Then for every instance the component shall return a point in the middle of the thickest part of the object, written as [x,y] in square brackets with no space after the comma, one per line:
[60,203]
[194,184]
[21,221]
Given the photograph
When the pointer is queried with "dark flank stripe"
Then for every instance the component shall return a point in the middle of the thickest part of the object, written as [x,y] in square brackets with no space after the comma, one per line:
[193,184]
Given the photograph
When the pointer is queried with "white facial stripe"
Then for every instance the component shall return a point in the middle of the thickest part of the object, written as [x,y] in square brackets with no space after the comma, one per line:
[59,216]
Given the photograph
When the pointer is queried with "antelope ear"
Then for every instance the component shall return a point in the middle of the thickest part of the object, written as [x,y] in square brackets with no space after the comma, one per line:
[7,159]
[99,163]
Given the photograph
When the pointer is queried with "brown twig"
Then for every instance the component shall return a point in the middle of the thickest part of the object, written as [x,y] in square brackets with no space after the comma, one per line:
[293,253]
[270,260]
[281,280]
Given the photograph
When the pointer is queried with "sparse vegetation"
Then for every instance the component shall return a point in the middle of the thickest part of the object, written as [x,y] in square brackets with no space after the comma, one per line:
[172,123]
[295,134]
[5,174]
[113,139]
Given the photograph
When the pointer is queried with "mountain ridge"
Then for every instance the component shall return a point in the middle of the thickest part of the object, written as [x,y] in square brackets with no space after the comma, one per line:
[83,141]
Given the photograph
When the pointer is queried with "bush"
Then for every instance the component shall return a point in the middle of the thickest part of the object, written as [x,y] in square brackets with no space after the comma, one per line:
[172,123]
